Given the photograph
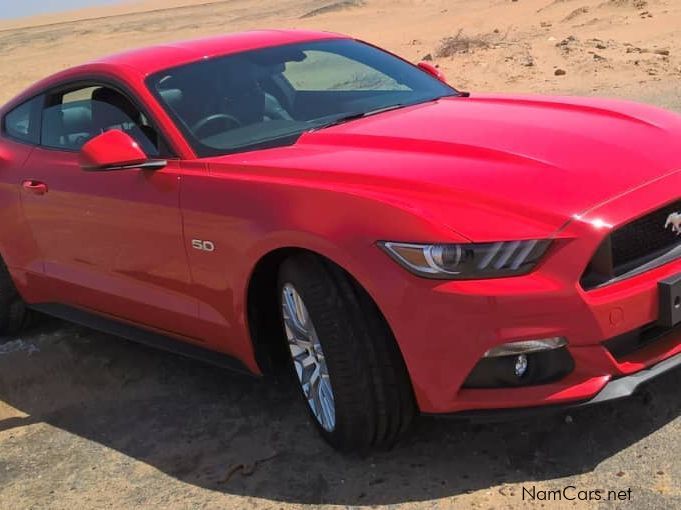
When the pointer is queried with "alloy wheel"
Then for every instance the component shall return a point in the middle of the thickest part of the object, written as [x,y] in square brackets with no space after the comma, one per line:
[308,358]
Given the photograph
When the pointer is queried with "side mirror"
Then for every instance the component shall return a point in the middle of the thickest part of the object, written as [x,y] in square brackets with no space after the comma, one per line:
[433,71]
[115,150]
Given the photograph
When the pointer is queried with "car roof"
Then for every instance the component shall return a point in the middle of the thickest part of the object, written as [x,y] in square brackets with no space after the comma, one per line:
[156,58]
[153,59]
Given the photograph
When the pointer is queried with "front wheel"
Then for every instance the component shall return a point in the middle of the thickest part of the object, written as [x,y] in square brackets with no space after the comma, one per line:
[345,358]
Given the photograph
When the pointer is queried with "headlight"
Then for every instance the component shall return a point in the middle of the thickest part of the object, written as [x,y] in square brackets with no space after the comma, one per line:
[468,261]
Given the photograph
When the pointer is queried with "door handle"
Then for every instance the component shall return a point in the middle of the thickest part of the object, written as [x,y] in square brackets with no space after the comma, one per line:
[35,187]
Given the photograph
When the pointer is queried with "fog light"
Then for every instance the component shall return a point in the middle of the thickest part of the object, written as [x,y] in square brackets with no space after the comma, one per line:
[526,363]
[527,347]
[520,366]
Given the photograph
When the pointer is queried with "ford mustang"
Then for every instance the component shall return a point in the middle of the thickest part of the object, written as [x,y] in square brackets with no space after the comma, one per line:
[301,199]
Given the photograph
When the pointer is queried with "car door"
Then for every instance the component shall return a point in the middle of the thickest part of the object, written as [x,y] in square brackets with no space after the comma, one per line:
[19,134]
[111,242]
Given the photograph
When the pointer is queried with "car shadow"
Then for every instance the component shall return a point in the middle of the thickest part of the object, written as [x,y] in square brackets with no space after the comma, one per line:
[244,436]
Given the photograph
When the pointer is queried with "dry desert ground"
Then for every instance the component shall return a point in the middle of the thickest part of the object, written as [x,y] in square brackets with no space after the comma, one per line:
[625,48]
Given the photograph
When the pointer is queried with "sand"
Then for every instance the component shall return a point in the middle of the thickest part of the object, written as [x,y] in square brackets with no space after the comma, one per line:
[627,48]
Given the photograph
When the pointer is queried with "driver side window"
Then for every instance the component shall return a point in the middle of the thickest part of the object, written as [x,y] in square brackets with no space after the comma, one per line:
[75,117]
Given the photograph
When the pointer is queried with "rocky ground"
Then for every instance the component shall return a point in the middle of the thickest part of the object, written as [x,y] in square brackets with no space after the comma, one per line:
[92,421]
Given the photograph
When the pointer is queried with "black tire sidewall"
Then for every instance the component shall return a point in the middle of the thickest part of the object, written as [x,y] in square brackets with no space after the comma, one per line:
[317,290]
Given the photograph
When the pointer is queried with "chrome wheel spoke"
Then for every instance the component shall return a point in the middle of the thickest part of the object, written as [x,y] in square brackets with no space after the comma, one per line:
[315,401]
[308,358]
[303,362]
[326,399]
[295,314]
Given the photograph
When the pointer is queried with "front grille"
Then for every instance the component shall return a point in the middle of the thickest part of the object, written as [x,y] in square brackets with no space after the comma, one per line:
[636,244]
[644,237]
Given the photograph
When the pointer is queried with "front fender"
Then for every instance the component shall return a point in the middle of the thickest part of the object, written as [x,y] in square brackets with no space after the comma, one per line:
[246,216]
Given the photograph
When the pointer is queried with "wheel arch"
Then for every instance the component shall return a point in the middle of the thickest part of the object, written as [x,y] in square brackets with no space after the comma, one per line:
[263,324]
[262,305]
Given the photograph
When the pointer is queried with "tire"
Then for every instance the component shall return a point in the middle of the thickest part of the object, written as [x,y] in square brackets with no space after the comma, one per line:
[372,397]
[13,313]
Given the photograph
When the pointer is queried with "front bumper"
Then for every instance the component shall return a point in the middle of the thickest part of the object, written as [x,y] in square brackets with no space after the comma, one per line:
[444,328]
[614,390]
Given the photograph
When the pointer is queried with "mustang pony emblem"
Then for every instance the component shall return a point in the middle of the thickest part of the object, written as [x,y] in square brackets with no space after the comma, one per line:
[674,219]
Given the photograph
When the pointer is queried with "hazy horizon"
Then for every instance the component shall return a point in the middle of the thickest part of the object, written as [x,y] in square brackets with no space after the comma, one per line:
[22,8]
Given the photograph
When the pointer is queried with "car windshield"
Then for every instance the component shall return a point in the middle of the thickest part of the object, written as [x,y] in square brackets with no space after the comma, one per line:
[268,97]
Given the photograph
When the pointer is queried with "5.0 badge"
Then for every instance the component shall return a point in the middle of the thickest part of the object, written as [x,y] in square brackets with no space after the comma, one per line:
[200,245]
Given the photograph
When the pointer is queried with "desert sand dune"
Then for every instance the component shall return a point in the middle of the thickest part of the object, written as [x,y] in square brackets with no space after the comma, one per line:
[628,48]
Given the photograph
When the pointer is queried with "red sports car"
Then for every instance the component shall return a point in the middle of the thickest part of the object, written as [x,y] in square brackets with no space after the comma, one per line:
[285,196]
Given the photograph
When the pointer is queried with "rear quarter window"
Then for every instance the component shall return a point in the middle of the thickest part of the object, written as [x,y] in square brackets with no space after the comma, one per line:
[22,123]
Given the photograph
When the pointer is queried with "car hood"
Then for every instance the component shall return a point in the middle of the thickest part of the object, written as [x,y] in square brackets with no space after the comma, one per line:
[538,161]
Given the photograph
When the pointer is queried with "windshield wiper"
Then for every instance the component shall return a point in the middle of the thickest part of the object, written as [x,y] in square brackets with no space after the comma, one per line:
[359,115]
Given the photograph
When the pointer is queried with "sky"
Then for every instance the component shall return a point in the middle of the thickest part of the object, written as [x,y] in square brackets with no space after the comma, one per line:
[19,8]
